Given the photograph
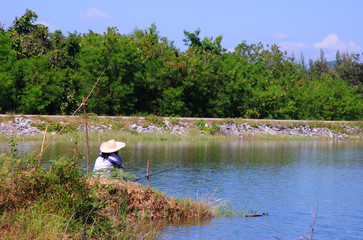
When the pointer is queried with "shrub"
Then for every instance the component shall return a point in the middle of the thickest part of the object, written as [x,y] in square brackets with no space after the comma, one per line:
[55,127]
[158,121]
[207,130]
[62,187]
[200,123]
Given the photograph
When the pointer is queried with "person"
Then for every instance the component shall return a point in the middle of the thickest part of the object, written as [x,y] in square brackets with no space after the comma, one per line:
[108,159]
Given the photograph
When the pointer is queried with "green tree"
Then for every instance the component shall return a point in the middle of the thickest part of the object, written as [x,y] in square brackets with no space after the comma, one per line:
[320,67]
[29,39]
[207,44]
[350,69]
[64,50]
[9,88]
[329,99]
[42,72]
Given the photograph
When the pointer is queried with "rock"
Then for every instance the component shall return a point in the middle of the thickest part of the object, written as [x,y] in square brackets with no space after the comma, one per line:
[267,130]
[23,126]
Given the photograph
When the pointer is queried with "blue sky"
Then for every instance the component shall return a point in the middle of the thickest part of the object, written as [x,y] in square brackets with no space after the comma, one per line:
[298,26]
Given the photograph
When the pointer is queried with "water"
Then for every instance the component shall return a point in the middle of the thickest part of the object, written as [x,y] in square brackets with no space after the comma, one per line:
[287,179]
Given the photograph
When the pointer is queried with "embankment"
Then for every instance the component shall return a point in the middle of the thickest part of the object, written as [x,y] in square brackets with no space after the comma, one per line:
[238,128]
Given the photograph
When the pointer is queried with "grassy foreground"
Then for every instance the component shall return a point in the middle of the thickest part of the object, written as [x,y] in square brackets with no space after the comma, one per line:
[60,202]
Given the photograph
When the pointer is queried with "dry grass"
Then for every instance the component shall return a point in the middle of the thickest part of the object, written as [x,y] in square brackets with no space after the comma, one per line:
[143,202]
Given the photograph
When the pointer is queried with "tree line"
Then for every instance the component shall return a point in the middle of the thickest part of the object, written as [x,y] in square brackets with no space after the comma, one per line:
[48,73]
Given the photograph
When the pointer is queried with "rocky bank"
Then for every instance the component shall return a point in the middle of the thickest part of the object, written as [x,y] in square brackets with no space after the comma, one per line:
[24,126]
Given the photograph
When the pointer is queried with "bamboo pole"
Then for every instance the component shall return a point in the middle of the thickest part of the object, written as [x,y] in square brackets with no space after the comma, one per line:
[42,149]
[147,175]
[85,117]
[75,151]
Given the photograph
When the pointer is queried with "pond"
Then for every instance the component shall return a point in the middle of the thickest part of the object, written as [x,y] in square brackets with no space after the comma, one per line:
[286,179]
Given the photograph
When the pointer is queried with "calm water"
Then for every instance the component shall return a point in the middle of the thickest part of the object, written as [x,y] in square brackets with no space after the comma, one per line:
[284,178]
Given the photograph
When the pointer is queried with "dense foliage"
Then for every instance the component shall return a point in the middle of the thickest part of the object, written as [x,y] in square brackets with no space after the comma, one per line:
[48,73]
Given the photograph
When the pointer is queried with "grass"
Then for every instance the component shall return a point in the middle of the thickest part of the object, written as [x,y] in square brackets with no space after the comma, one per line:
[32,223]
[58,201]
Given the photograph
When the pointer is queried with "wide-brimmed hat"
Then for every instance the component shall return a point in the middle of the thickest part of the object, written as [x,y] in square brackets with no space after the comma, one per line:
[111,146]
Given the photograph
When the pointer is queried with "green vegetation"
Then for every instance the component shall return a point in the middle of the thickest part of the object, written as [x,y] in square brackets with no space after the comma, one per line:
[158,121]
[204,128]
[55,127]
[146,75]
[60,201]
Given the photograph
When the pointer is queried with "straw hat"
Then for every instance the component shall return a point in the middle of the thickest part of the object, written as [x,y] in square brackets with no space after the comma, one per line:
[111,146]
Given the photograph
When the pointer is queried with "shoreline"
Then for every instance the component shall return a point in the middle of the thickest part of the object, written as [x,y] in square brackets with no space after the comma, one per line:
[33,125]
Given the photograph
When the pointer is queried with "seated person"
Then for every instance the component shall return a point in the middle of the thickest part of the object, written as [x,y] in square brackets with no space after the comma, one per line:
[108,159]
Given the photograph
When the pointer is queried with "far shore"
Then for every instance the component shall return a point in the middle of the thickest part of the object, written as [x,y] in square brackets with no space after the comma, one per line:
[155,127]
[182,118]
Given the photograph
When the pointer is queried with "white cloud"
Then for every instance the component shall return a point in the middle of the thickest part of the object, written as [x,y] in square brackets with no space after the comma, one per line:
[280,36]
[332,42]
[291,46]
[92,14]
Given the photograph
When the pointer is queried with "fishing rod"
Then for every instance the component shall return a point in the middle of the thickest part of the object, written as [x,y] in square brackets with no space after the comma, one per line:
[161,171]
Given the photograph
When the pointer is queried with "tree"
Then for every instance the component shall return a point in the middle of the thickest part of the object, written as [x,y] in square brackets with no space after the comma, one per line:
[207,44]
[328,99]
[29,39]
[320,67]
[48,73]
[349,68]
[64,50]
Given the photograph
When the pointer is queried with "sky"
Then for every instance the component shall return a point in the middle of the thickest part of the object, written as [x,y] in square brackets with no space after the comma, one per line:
[297,26]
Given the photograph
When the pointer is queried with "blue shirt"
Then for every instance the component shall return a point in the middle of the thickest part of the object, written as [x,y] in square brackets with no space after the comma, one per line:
[103,164]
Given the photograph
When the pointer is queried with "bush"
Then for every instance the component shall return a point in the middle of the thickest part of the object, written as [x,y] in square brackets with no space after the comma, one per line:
[62,187]
[159,121]
[207,130]
[55,127]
